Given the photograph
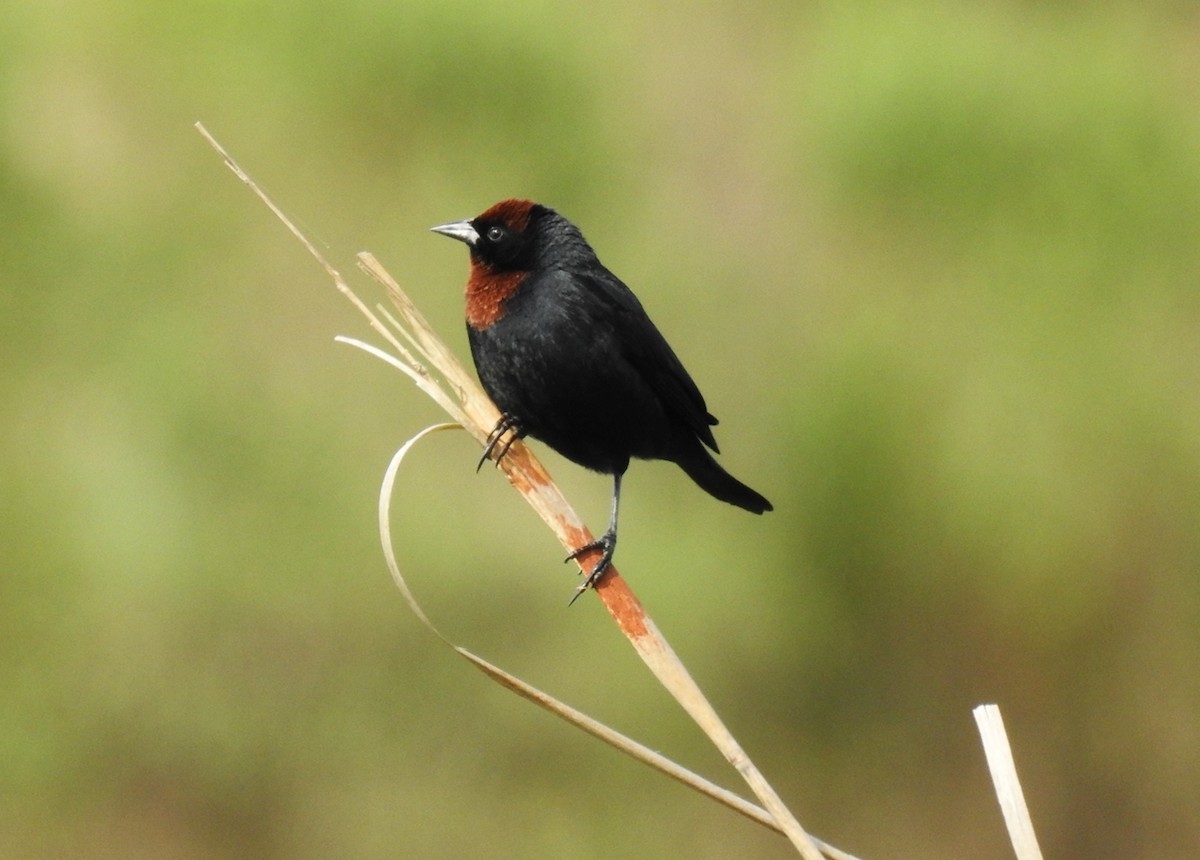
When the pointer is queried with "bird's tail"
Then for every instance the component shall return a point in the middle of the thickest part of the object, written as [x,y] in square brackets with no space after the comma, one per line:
[707,472]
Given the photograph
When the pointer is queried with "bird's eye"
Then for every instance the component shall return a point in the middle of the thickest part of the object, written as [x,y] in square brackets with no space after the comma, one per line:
[495,234]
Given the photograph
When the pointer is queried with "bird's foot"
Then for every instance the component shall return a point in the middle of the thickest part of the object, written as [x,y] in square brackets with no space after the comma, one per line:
[607,543]
[494,444]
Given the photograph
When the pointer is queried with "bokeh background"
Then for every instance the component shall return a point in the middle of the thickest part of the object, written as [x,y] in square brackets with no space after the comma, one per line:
[935,266]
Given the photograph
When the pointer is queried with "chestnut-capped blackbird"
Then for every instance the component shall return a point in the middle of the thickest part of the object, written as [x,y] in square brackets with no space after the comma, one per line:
[567,353]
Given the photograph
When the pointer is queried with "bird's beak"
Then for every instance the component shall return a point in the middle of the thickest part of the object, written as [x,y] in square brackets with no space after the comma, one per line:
[463,231]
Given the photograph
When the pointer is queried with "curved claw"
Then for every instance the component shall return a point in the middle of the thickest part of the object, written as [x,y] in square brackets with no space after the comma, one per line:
[607,542]
[507,422]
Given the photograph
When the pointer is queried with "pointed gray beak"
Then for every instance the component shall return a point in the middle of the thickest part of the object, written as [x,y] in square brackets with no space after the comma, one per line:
[463,231]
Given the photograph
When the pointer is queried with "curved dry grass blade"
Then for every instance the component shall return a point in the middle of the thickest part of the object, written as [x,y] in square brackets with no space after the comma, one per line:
[543,700]
[1004,778]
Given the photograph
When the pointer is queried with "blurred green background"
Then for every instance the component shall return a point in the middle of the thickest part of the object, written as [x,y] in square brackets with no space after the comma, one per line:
[934,265]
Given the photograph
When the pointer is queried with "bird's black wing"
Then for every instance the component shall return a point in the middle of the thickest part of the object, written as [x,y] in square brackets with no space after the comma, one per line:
[649,353]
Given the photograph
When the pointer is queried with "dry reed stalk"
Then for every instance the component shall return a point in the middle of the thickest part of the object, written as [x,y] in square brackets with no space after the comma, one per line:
[1004,779]
[417,349]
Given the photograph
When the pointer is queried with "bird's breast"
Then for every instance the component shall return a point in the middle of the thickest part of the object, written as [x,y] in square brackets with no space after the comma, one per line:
[487,293]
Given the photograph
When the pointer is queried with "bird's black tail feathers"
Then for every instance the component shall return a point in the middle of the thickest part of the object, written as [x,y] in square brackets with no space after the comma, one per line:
[707,472]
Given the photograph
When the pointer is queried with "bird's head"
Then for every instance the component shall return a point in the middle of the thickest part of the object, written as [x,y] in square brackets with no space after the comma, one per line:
[502,239]
[520,236]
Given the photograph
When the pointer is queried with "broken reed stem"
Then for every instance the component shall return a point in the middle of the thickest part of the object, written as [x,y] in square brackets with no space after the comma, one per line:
[1004,779]
[467,404]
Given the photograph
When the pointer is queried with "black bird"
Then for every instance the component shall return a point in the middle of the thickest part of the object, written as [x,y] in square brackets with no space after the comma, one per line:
[569,356]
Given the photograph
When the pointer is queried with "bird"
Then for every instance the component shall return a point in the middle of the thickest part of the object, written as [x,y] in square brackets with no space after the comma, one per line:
[569,356]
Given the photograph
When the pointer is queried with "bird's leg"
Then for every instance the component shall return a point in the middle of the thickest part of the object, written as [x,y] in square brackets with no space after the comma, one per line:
[507,422]
[606,542]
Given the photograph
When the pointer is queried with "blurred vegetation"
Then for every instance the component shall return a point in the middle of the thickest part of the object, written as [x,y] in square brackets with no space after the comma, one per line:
[935,266]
